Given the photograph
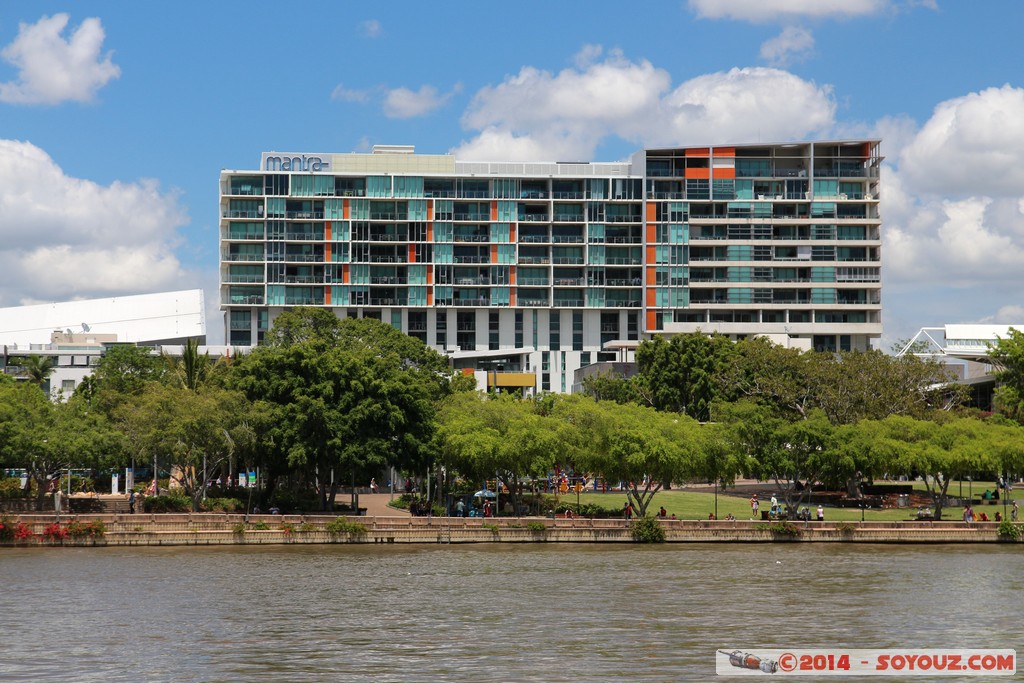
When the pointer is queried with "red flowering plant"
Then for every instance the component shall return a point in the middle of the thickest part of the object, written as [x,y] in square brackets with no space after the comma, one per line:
[14,531]
[22,533]
[55,532]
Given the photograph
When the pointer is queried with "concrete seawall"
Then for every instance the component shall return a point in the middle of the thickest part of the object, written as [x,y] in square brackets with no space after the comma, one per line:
[228,529]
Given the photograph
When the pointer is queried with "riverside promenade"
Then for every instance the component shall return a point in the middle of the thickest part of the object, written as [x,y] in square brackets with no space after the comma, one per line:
[383,524]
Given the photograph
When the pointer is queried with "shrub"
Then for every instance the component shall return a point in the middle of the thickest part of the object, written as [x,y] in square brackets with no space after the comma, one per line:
[221,505]
[1008,531]
[287,528]
[845,528]
[343,526]
[537,527]
[55,532]
[647,529]
[6,529]
[167,503]
[94,529]
[306,527]
[784,529]
[10,487]
[238,529]
[588,510]
[260,526]
[493,528]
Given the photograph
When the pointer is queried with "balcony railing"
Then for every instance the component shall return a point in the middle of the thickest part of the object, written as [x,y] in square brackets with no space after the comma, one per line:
[243,257]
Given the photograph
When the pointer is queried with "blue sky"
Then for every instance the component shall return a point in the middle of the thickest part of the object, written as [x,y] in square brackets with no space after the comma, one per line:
[116,118]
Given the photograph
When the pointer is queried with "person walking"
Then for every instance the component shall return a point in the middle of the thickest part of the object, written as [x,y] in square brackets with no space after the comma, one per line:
[821,513]
[754,505]
[1014,511]
[131,502]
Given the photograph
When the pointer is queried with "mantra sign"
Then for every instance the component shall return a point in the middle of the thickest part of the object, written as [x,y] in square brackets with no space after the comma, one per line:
[272,161]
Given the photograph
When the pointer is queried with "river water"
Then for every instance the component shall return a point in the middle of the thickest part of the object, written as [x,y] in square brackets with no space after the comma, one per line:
[484,612]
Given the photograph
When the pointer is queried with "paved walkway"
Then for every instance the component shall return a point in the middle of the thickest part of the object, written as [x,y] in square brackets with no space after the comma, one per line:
[376,505]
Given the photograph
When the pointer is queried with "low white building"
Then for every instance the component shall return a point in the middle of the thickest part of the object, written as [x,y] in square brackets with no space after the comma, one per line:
[74,334]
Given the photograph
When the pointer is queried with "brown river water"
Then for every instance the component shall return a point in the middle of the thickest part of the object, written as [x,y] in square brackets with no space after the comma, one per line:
[485,612]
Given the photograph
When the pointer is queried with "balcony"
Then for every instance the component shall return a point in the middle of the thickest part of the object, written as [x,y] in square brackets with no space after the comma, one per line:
[304,215]
[243,257]
[534,218]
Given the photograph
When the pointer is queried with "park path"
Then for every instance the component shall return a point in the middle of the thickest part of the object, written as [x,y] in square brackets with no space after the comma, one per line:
[376,505]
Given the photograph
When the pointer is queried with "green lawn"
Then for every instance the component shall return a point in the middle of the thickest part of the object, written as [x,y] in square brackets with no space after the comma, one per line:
[697,505]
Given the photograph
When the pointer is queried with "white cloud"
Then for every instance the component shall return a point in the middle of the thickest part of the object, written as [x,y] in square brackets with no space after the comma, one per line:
[371,28]
[587,55]
[340,92]
[793,44]
[53,70]
[403,103]
[971,145]
[63,238]
[785,10]
[568,114]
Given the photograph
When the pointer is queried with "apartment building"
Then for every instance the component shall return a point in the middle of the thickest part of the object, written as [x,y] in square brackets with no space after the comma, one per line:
[524,272]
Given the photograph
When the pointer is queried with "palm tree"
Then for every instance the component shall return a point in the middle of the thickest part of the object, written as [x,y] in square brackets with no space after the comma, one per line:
[37,368]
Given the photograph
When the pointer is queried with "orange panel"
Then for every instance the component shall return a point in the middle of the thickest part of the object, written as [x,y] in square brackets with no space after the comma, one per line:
[327,296]
[652,211]
[651,233]
[344,273]
[430,296]
[725,173]
[430,275]
[327,252]
[698,152]
[651,254]
[494,253]
[652,320]
[468,371]
[327,232]
[651,296]
[430,209]
[699,173]
[346,209]
[867,150]
[430,232]
[412,253]
[494,209]
[512,275]
[651,279]
[725,151]
[512,298]
[512,232]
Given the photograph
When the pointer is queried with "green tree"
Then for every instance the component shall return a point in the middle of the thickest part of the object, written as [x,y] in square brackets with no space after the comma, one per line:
[47,438]
[680,375]
[639,446]
[1007,355]
[190,431]
[502,436]
[939,452]
[348,397]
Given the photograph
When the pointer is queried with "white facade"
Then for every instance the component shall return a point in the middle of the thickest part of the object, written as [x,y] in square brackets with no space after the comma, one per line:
[74,334]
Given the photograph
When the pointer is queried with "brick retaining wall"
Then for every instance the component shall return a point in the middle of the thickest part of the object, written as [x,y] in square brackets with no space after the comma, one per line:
[219,529]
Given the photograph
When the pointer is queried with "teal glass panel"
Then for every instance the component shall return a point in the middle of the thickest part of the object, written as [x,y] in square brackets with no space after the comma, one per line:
[823,296]
[275,295]
[418,210]
[744,189]
[302,186]
[334,209]
[359,209]
[444,232]
[276,206]
[378,186]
